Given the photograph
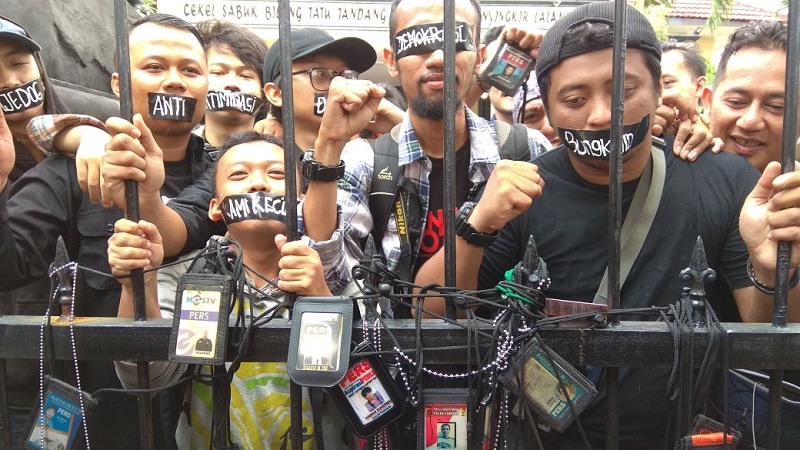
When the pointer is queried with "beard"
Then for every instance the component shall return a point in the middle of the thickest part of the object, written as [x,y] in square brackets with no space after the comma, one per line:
[431,107]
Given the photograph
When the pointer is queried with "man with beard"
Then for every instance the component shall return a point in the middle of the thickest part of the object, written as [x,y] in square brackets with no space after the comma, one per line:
[250,166]
[720,198]
[169,86]
[419,63]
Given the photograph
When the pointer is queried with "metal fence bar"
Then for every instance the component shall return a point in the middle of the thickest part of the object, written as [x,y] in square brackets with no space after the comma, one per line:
[450,149]
[774,408]
[615,210]
[788,154]
[615,160]
[290,168]
[635,344]
[5,418]
[133,214]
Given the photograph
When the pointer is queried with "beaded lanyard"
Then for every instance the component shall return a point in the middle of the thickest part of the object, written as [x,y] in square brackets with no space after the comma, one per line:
[45,322]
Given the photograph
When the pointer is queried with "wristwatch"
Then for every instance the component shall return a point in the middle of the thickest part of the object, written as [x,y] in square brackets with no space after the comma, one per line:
[466,231]
[312,170]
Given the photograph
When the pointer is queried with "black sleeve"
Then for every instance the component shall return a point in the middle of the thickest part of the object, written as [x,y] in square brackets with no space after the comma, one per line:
[192,205]
[33,213]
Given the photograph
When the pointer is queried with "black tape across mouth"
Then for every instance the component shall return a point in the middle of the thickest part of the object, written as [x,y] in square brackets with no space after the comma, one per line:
[232,101]
[253,206]
[170,107]
[22,98]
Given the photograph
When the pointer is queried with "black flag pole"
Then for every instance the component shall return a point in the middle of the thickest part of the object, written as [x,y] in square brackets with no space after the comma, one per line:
[132,200]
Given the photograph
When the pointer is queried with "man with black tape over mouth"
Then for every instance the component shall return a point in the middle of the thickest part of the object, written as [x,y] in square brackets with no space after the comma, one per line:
[235,99]
[249,198]
[719,198]
[169,86]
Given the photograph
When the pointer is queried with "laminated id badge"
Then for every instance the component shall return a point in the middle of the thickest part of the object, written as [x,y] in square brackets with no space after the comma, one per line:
[508,69]
[57,421]
[535,376]
[319,346]
[443,419]
[200,322]
[367,395]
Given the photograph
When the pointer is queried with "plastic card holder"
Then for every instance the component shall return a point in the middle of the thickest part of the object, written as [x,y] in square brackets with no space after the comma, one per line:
[55,423]
[535,376]
[444,418]
[200,323]
[367,395]
[508,68]
[319,345]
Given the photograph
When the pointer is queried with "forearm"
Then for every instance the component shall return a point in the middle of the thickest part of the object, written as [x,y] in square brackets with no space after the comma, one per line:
[169,223]
[756,306]
[125,309]
[319,207]
[467,261]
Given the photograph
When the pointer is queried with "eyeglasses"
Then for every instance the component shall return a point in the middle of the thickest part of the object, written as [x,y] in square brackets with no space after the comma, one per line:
[321,77]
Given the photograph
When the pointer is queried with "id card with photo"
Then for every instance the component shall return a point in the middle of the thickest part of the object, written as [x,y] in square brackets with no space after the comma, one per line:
[58,420]
[508,69]
[445,426]
[199,326]
[320,341]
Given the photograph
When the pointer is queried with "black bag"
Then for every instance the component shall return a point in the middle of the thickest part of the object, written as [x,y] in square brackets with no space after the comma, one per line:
[748,398]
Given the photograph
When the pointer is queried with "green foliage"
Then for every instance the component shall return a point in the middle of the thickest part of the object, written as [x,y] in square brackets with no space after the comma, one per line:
[720,11]
[153,4]
[657,13]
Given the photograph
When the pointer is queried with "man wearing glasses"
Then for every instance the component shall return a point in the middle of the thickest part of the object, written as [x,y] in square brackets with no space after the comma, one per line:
[316,59]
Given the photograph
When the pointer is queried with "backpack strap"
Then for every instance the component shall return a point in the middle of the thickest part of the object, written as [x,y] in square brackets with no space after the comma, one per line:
[385,178]
[512,142]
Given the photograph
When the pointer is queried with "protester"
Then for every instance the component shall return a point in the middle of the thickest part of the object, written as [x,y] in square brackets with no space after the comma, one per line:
[351,104]
[316,59]
[25,92]
[235,97]
[259,412]
[683,74]
[528,108]
[747,105]
[167,65]
[703,198]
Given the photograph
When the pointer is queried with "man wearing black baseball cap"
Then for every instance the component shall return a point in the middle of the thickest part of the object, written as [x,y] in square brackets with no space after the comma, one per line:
[569,218]
[316,59]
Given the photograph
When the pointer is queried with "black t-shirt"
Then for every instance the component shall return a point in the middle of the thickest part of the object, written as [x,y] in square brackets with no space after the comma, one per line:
[433,236]
[569,223]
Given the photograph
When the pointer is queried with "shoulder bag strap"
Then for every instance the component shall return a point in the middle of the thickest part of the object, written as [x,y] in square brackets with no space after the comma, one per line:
[640,217]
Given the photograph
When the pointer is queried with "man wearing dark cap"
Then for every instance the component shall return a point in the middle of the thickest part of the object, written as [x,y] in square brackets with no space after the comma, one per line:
[568,218]
[316,59]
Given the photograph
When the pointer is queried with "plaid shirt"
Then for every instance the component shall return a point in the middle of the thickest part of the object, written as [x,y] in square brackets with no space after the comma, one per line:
[43,129]
[354,188]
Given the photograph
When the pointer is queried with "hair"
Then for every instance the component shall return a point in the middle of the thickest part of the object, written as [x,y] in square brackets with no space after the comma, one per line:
[765,35]
[599,36]
[444,425]
[241,42]
[239,139]
[168,21]
[366,391]
[691,58]
[393,21]
[491,35]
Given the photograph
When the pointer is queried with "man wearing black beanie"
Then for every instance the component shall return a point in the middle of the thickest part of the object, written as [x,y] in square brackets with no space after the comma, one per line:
[569,219]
